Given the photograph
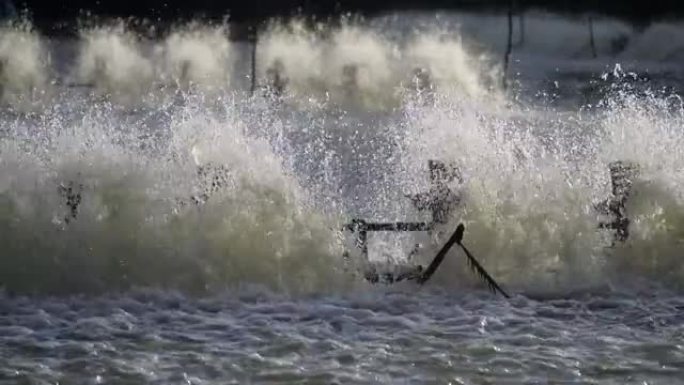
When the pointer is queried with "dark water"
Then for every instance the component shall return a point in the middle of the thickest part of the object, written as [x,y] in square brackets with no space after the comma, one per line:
[434,336]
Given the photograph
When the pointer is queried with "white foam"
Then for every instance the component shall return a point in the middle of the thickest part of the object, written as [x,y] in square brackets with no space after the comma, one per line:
[111,61]
[24,66]
[199,56]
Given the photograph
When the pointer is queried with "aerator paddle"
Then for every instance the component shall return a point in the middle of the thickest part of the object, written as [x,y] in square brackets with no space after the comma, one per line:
[482,273]
[457,237]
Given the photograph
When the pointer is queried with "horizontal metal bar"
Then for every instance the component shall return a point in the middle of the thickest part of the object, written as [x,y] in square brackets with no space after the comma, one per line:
[361,225]
[398,226]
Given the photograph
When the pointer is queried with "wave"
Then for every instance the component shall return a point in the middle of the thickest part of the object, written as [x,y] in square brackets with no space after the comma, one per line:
[110,60]
[296,52]
[219,199]
[368,62]
[143,217]
[24,63]
[530,189]
[204,190]
[199,56]
[355,63]
[347,64]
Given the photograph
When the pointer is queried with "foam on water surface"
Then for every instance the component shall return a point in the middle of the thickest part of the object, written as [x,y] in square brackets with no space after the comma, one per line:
[158,223]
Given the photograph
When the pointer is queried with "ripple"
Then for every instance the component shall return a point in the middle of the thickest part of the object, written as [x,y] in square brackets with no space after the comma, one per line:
[473,339]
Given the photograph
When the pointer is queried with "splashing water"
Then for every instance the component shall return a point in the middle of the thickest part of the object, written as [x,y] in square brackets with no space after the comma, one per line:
[198,56]
[448,63]
[254,173]
[298,51]
[360,64]
[137,224]
[111,62]
[23,67]
[148,176]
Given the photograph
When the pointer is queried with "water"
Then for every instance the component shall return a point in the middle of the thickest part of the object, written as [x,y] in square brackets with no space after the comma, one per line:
[124,262]
[432,336]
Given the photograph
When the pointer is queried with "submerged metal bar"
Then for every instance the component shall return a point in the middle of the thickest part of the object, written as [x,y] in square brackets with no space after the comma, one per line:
[438,200]
[622,175]
[475,265]
[362,242]
[362,228]
[456,237]
[254,38]
[360,225]
[509,45]
[592,43]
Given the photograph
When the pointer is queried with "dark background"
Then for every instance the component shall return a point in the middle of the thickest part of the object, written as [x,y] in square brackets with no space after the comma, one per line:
[50,14]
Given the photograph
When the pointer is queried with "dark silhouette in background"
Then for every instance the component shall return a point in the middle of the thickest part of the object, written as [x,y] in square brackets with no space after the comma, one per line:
[51,15]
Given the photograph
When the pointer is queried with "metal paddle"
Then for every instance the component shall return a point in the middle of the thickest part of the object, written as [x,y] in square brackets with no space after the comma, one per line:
[457,237]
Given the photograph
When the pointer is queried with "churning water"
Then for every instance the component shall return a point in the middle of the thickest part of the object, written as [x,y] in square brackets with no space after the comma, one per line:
[159,223]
